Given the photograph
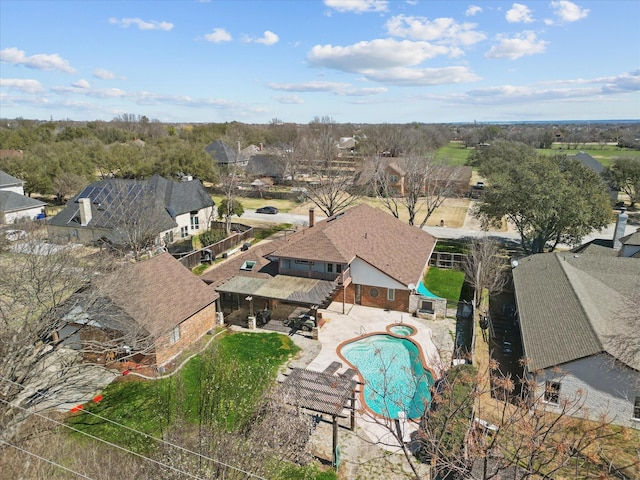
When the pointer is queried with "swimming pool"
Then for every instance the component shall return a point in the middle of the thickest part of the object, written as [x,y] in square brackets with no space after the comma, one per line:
[402,330]
[395,377]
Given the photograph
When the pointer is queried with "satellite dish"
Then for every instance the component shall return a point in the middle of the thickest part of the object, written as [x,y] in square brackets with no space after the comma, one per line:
[412,287]
[514,263]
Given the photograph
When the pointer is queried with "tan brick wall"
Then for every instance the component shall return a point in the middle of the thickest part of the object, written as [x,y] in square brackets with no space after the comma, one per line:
[399,303]
[190,330]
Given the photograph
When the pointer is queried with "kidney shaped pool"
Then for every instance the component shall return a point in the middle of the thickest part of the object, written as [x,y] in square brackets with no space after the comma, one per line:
[395,378]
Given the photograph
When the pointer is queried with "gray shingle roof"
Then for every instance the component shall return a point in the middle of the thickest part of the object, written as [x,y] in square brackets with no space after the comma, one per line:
[574,306]
[397,249]
[12,202]
[7,180]
[221,152]
[112,199]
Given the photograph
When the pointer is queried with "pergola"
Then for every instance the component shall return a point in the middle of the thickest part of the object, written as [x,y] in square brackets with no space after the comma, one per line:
[324,393]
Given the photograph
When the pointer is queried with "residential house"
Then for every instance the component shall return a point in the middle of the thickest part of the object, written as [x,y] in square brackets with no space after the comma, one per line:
[133,306]
[362,256]
[106,209]
[14,205]
[624,243]
[578,316]
[223,155]
[588,161]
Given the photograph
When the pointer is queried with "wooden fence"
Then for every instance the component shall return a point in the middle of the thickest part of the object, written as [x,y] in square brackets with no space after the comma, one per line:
[194,258]
[447,260]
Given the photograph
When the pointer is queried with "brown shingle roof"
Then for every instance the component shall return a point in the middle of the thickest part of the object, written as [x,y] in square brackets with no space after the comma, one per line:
[574,306]
[399,250]
[161,293]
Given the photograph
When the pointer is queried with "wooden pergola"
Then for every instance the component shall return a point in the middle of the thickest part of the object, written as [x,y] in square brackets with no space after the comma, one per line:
[324,393]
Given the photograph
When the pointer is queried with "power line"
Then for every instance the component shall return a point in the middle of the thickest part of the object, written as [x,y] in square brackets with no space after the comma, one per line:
[46,460]
[103,440]
[179,447]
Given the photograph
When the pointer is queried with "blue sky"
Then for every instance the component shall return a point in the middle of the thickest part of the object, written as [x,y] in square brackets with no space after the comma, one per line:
[361,61]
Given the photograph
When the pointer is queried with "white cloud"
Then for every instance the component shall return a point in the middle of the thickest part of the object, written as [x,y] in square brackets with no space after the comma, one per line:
[519,13]
[103,74]
[357,6]
[82,83]
[269,38]
[522,44]
[21,84]
[141,24]
[473,10]
[289,99]
[337,88]
[424,76]
[377,54]
[39,61]
[443,30]
[568,11]
[218,35]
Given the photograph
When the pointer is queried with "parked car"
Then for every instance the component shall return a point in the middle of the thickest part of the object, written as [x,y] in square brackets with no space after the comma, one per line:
[269,210]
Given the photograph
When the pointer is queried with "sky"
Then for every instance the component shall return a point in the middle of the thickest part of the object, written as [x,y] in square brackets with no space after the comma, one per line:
[354,61]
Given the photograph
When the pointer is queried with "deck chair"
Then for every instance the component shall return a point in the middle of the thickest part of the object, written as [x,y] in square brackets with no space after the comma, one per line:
[333,368]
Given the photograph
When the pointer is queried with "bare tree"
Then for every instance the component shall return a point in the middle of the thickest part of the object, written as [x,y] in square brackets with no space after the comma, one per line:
[50,354]
[485,266]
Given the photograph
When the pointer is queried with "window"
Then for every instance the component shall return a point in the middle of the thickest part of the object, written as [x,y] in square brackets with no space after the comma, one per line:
[391,294]
[184,232]
[394,179]
[330,267]
[338,268]
[636,409]
[373,292]
[195,221]
[174,336]
[551,392]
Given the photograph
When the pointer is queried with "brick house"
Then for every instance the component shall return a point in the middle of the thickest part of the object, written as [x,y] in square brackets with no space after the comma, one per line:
[361,256]
[162,306]
[578,316]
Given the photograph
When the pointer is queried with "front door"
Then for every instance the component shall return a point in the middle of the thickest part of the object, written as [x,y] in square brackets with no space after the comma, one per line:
[358,294]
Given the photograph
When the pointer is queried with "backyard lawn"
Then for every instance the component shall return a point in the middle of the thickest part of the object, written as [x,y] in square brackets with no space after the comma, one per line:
[222,391]
[445,283]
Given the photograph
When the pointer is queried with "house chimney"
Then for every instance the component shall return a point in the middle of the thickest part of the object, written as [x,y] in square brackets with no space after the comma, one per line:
[85,211]
[621,225]
[312,217]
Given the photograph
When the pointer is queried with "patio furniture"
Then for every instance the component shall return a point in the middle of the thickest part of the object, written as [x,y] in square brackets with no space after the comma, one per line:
[333,368]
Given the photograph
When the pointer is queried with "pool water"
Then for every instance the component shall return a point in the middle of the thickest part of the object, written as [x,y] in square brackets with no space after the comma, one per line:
[405,330]
[394,377]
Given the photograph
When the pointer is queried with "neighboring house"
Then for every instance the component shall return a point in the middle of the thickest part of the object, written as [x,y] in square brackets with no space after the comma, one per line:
[110,209]
[578,316]
[620,245]
[266,165]
[362,256]
[588,161]
[225,156]
[134,306]
[14,205]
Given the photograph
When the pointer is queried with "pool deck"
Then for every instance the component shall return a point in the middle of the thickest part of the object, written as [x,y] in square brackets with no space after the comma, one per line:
[358,321]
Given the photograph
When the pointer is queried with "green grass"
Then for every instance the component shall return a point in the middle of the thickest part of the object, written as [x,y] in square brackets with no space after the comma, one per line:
[454,154]
[604,155]
[445,283]
[451,246]
[222,386]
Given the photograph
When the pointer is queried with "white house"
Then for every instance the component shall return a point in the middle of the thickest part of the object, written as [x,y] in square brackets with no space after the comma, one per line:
[14,205]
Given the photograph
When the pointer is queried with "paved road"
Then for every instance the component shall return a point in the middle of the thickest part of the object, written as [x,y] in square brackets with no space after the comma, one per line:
[470,229]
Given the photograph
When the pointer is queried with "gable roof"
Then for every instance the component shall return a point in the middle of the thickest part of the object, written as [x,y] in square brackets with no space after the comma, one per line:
[7,180]
[399,250]
[113,199]
[574,306]
[12,202]
[145,297]
[631,239]
[588,161]
[221,152]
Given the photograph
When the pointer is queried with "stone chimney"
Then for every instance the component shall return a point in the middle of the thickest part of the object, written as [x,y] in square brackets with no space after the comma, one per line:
[312,217]
[621,225]
[85,211]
